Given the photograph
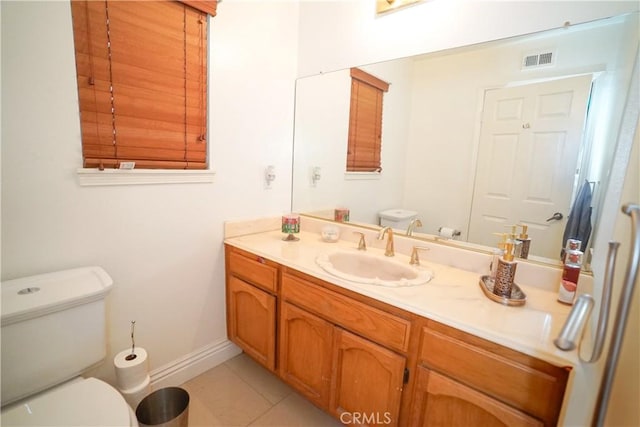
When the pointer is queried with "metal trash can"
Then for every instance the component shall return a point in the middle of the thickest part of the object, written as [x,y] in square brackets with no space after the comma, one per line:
[167,407]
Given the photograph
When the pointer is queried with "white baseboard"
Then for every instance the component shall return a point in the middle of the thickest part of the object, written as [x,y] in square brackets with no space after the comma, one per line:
[193,364]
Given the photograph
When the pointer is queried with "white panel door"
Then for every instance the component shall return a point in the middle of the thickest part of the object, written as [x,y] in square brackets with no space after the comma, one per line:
[527,161]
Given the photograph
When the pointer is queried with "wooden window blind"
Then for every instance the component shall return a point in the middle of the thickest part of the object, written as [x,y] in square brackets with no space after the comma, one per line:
[365,122]
[142,82]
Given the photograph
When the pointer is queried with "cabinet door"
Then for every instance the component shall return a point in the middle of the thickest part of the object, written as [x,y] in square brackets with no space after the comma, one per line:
[523,382]
[305,353]
[367,381]
[441,401]
[252,321]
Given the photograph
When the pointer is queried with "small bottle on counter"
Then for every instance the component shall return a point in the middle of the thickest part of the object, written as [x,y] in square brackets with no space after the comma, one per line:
[517,244]
[506,273]
[525,241]
[341,214]
[570,276]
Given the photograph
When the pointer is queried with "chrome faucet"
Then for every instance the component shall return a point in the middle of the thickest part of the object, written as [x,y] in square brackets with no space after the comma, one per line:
[389,249]
[413,224]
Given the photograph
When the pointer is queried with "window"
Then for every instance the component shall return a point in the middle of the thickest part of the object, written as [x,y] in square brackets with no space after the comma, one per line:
[142,82]
[365,122]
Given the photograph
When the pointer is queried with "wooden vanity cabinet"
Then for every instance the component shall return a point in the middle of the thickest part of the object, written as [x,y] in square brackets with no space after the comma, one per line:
[369,363]
[357,380]
[251,305]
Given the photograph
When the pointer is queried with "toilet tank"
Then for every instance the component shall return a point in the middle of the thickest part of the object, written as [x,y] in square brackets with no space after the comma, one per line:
[397,218]
[53,329]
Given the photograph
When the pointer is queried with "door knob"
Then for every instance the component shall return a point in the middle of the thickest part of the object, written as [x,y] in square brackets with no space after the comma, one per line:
[556,216]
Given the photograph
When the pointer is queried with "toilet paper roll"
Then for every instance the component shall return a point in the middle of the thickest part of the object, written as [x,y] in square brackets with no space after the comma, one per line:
[131,373]
[134,395]
[447,232]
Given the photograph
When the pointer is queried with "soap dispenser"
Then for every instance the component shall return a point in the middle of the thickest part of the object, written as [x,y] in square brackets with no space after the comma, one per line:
[517,245]
[506,273]
[524,241]
[496,254]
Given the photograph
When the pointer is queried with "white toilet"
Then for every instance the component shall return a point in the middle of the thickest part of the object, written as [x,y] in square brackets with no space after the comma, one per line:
[53,330]
[397,218]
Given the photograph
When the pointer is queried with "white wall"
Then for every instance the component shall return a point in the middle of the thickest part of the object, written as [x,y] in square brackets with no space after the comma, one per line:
[345,33]
[162,244]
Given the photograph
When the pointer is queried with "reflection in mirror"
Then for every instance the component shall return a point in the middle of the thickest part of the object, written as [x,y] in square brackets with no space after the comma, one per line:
[476,139]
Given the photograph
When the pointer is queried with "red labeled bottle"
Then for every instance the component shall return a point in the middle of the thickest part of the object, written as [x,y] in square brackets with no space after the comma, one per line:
[570,277]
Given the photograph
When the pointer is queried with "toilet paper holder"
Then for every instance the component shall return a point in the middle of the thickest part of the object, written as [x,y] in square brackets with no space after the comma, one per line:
[132,355]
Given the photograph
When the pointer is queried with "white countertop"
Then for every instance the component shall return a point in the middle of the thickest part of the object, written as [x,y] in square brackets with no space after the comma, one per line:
[453,297]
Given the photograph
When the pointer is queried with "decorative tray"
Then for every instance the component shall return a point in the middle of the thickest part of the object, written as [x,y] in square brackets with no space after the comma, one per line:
[517,296]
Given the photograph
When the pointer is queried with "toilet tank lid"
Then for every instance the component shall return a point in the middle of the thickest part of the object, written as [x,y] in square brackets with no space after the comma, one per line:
[397,214]
[34,296]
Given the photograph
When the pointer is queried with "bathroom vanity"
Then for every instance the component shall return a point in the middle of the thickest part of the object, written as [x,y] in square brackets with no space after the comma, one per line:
[434,354]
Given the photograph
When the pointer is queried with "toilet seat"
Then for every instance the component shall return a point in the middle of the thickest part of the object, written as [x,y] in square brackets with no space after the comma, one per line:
[81,402]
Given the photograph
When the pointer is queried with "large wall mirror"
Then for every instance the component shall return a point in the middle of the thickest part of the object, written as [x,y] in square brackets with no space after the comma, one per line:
[476,138]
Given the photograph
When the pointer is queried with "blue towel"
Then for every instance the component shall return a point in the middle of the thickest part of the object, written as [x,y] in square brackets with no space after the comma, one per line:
[579,223]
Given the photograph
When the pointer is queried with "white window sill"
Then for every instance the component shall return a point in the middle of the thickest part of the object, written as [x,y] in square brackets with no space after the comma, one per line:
[353,176]
[96,177]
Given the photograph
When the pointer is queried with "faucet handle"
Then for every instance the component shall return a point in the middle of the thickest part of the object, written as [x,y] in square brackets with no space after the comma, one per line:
[415,259]
[362,244]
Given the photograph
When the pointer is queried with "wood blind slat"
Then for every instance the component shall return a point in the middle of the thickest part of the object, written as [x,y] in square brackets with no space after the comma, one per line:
[143,164]
[147,138]
[158,83]
[102,96]
[143,153]
[127,93]
[141,108]
[104,119]
[157,66]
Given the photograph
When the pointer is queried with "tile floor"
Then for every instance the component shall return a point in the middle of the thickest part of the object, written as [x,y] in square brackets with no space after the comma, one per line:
[240,392]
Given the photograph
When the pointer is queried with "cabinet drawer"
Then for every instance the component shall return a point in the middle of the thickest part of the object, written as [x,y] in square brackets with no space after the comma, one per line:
[440,400]
[254,269]
[377,325]
[517,379]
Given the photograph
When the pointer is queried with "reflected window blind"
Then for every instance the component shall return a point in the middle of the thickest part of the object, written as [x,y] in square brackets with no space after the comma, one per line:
[365,122]
[142,82]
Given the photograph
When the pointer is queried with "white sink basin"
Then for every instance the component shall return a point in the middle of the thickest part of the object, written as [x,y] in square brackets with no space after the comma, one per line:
[362,267]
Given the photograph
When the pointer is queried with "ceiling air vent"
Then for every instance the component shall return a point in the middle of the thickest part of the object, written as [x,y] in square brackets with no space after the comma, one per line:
[538,60]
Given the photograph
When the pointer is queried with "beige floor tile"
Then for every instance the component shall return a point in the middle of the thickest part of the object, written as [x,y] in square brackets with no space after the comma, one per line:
[295,411]
[263,381]
[219,397]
